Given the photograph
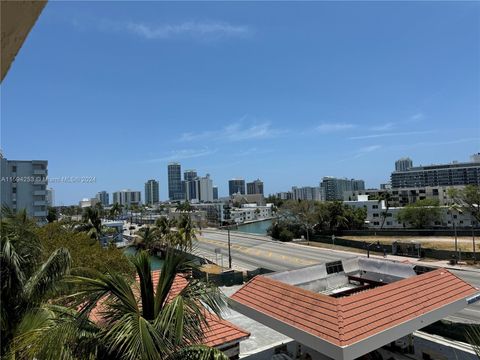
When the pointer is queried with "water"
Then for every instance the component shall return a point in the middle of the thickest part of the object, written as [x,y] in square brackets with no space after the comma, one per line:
[156,262]
[259,227]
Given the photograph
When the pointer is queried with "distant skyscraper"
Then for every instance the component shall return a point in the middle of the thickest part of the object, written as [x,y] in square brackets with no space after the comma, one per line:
[189,175]
[175,187]
[215,193]
[103,197]
[127,197]
[204,188]
[333,188]
[236,186]
[403,164]
[152,196]
[255,187]
[306,193]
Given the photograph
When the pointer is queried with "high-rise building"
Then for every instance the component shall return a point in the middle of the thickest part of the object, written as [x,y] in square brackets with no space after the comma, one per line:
[215,193]
[50,197]
[24,186]
[255,187]
[152,194]
[333,188]
[204,188]
[175,186]
[127,197]
[466,173]
[306,193]
[189,175]
[403,164]
[103,197]
[236,186]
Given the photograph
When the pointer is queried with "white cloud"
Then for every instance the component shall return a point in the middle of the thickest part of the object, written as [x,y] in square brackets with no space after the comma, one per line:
[235,132]
[189,28]
[389,134]
[325,128]
[183,154]
[383,127]
[417,117]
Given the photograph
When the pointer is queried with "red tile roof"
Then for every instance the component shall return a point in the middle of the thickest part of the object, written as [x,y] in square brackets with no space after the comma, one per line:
[218,331]
[344,321]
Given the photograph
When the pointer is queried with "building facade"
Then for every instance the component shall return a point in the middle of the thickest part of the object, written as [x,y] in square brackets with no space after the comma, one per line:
[376,210]
[306,193]
[403,164]
[467,173]
[255,187]
[103,197]
[333,188]
[152,192]
[175,185]
[50,197]
[23,185]
[236,186]
[215,193]
[127,197]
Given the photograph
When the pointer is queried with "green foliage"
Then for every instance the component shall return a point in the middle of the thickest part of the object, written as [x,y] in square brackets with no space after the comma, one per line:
[142,322]
[468,199]
[296,217]
[26,283]
[420,214]
[85,252]
[52,214]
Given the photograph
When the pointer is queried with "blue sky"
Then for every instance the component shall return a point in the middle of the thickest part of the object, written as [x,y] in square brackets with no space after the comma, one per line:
[287,92]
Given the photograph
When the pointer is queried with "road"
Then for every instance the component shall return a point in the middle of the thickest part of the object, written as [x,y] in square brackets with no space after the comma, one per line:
[252,251]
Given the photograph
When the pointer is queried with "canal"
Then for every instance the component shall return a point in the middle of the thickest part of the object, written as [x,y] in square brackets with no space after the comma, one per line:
[258,227]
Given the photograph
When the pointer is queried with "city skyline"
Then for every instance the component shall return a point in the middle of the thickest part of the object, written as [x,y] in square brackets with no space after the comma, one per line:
[337,89]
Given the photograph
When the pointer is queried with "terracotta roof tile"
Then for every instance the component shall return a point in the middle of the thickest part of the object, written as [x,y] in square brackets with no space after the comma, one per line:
[344,321]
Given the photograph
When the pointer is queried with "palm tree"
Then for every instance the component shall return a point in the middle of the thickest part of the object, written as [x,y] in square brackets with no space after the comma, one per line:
[26,284]
[92,223]
[386,197]
[149,239]
[115,210]
[186,233]
[147,321]
[473,337]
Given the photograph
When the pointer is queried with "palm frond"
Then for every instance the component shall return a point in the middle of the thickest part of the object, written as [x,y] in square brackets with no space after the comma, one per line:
[46,278]
[473,337]
[144,270]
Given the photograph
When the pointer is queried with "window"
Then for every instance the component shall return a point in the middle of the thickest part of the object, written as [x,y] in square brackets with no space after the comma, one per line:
[14,168]
[389,223]
[374,206]
[375,215]
[376,223]
[334,267]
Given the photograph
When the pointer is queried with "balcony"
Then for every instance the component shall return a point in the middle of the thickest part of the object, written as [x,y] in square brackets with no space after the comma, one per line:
[40,203]
[39,172]
[40,192]
[40,213]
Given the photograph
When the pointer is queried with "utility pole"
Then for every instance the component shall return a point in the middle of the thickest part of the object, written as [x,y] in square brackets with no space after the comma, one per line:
[229,251]
[456,241]
[473,241]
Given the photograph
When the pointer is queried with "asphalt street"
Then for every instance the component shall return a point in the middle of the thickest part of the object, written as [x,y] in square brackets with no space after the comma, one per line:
[253,251]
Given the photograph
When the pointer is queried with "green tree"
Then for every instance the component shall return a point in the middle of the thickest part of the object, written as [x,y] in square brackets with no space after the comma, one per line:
[26,283]
[420,214]
[91,223]
[468,199]
[386,197]
[87,254]
[51,214]
[186,233]
[146,324]
[149,239]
